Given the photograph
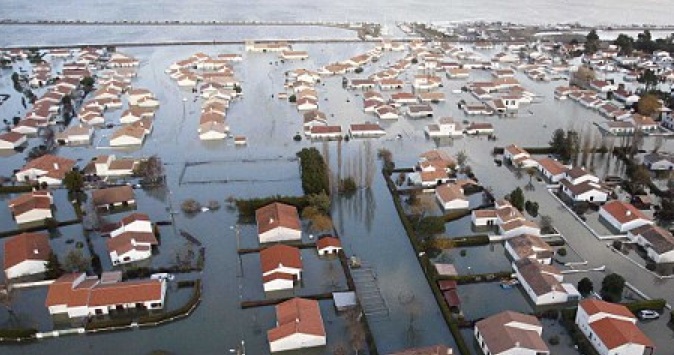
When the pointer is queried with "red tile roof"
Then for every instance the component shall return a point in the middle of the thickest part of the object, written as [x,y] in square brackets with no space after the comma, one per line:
[615,333]
[30,201]
[328,241]
[593,306]
[274,256]
[277,215]
[623,212]
[26,246]
[295,316]
[55,166]
[125,292]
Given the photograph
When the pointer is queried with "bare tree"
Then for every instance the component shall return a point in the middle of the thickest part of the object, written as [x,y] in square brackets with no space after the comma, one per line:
[7,297]
[369,164]
[151,170]
[356,329]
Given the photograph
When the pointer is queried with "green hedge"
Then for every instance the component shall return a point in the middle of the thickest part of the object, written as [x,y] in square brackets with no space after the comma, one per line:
[17,334]
[15,189]
[656,304]
[247,207]
[108,323]
[182,311]
[467,241]
[467,279]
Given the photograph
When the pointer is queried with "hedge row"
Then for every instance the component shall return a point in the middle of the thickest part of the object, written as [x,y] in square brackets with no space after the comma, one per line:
[15,189]
[468,279]
[467,241]
[94,324]
[17,334]
[248,207]
[655,304]
[452,323]
[180,312]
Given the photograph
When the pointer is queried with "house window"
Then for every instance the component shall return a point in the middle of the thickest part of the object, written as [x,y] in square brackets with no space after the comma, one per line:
[155,305]
[98,311]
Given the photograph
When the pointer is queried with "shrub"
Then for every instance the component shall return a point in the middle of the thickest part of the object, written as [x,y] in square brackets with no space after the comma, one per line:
[292,98]
[190,206]
[347,185]
[213,205]
[554,340]
[561,251]
[655,304]
[463,252]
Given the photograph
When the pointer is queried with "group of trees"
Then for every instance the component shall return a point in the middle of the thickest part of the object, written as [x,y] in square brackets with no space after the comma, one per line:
[565,144]
[516,198]
[612,287]
[150,170]
[314,172]
[627,44]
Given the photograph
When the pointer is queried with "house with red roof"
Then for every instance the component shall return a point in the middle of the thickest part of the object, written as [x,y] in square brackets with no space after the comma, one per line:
[129,247]
[451,197]
[26,254]
[623,216]
[278,222]
[518,157]
[49,169]
[32,207]
[543,283]
[611,328]
[79,295]
[328,245]
[551,169]
[281,266]
[510,333]
[11,140]
[299,325]
[658,242]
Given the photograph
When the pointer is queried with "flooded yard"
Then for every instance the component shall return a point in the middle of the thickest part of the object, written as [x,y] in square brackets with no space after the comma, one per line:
[484,259]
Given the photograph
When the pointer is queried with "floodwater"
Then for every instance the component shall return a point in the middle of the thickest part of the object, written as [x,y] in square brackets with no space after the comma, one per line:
[367,221]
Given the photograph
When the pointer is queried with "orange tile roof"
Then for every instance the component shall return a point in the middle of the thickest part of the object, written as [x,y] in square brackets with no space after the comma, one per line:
[26,246]
[54,165]
[30,201]
[623,212]
[328,241]
[125,292]
[277,215]
[295,316]
[274,256]
[593,306]
[615,333]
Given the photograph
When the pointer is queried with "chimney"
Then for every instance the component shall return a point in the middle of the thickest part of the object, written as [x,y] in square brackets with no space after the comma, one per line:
[56,166]
[271,220]
[628,213]
[35,251]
